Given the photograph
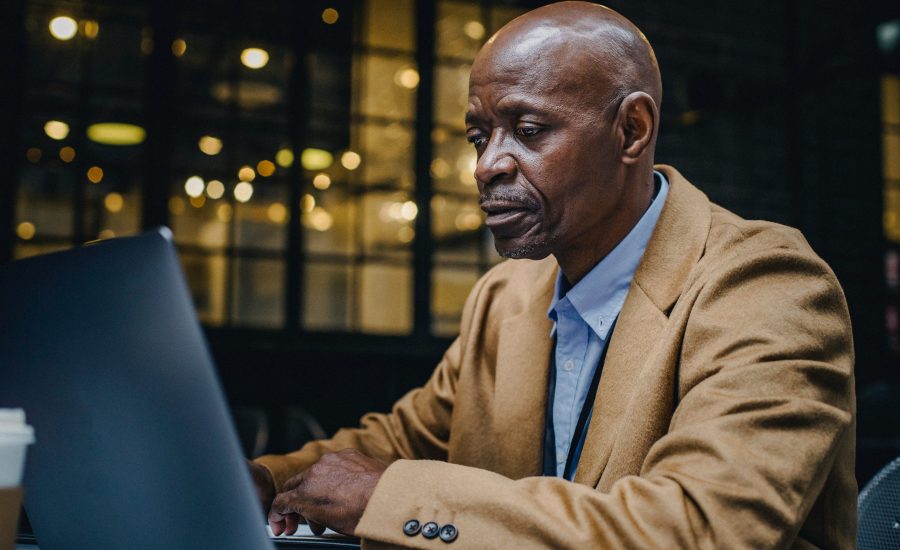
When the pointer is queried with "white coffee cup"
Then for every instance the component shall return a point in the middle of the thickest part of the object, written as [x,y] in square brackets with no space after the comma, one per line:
[15,436]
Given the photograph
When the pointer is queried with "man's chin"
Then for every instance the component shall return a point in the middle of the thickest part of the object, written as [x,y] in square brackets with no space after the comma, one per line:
[521,251]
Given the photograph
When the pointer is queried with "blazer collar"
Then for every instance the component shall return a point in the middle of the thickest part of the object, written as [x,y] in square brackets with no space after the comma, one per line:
[524,345]
[677,243]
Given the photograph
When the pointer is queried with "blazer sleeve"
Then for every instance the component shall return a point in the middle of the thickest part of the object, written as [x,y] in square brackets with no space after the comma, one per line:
[418,426]
[765,397]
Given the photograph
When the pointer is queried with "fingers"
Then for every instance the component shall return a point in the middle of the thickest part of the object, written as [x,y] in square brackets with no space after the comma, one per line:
[284,515]
[290,523]
[316,528]
[276,523]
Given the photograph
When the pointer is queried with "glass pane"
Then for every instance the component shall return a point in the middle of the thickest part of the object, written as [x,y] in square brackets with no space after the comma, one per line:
[388,85]
[26,250]
[387,154]
[450,287]
[326,297]
[200,221]
[261,222]
[46,201]
[385,299]
[890,99]
[388,221]
[460,31]
[258,293]
[501,15]
[892,156]
[451,94]
[453,166]
[389,24]
[329,221]
[456,223]
[206,280]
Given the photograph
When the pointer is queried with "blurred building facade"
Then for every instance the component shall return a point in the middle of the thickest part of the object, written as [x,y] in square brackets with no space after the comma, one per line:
[311,161]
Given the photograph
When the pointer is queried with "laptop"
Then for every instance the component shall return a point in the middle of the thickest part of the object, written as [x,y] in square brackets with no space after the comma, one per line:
[134,446]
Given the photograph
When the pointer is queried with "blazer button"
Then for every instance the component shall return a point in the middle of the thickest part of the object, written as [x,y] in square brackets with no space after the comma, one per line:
[430,530]
[449,532]
[411,527]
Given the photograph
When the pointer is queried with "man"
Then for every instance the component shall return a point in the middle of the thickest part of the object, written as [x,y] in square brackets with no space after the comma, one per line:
[663,374]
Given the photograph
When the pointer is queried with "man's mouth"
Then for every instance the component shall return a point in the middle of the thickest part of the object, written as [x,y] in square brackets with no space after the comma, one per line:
[507,220]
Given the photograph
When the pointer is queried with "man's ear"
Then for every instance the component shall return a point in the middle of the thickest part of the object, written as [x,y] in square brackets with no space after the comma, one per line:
[638,119]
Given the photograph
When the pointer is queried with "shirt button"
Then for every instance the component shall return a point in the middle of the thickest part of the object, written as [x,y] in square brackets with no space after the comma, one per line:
[411,527]
[430,530]
[449,532]
[569,365]
[560,457]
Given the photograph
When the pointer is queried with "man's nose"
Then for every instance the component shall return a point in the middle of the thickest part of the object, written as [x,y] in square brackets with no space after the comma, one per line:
[496,162]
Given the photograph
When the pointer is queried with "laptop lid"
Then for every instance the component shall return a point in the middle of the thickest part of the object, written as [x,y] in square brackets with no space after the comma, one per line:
[134,445]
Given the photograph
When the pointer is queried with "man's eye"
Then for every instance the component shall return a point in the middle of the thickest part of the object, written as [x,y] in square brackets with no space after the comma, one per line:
[527,131]
[476,140]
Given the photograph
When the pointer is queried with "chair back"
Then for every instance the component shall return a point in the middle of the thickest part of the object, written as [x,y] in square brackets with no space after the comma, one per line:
[878,507]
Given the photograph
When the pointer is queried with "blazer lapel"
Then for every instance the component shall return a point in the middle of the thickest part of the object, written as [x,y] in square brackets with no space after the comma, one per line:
[523,365]
[675,246]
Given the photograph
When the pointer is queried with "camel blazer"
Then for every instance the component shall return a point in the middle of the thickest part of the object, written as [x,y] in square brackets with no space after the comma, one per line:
[725,415]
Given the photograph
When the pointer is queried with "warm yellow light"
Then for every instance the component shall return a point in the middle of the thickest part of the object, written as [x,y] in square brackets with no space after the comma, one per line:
[56,129]
[395,210]
[224,212]
[114,202]
[308,203]
[210,145]
[406,234]
[176,205]
[439,168]
[330,16]
[63,28]
[179,46]
[407,78]
[320,219]
[265,168]
[284,158]
[254,58]
[194,186]
[350,160]
[474,30]
[243,191]
[409,211]
[277,213]
[246,174]
[146,45]
[316,159]
[198,202]
[438,203]
[215,189]
[106,234]
[116,133]
[67,154]
[95,174]
[90,28]
[25,231]
[33,154]
[321,181]
[468,221]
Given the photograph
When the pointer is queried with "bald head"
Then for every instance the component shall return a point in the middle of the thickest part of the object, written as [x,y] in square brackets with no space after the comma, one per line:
[599,44]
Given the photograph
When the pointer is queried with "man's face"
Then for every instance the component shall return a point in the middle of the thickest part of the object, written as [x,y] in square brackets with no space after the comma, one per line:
[547,149]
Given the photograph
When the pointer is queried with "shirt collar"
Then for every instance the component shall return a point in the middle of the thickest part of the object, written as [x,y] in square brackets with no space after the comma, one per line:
[599,295]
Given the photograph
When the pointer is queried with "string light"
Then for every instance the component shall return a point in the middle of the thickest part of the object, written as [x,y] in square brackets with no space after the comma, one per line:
[254,58]
[63,27]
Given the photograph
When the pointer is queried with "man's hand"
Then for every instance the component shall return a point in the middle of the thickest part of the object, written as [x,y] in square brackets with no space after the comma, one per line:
[333,493]
[265,485]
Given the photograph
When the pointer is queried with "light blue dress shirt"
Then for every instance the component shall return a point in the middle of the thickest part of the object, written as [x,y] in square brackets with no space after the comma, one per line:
[582,318]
